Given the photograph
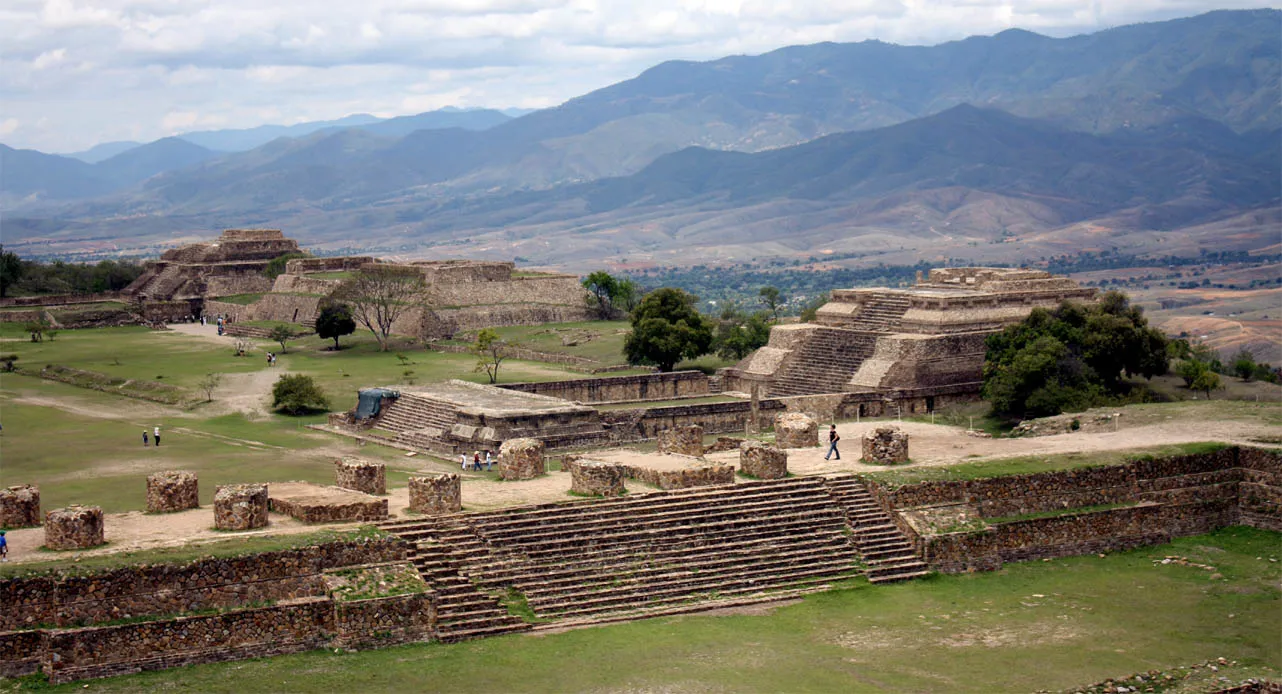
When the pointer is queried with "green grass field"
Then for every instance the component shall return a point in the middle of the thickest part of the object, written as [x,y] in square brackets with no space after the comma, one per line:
[1029,627]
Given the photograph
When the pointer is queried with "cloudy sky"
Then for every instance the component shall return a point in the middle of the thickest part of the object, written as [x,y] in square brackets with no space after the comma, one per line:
[74,73]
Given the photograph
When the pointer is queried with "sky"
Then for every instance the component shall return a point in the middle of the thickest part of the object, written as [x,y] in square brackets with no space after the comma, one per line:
[76,73]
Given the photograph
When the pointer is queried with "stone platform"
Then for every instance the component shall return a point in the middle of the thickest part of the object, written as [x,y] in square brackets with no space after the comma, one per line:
[314,503]
[671,471]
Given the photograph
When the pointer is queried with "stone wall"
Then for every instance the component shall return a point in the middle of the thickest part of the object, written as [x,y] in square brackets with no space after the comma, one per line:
[761,461]
[378,622]
[288,308]
[20,506]
[885,446]
[21,653]
[549,289]
[436,494]
[302,284]
[233,312]
[59,299]
[658,386]
[72,599]
[240,506]
[521,459]
[596,478]
[74,527]
[172,491]
[796,430]
[683,440]
[697,475]
[361,475]
[302,266]
[716,418]
[350,509]
[445,322]
[231,285]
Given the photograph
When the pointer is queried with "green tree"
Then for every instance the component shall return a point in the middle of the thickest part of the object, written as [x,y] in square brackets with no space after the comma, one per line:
[282,334]
[772,300]
[1243,364]
[810,310]
[490,351]
[334,321]
[626,295]
[11,270]
[603,288]
[1206,382]
[298,394]
[276,266]
[667,328]
[738,333]
[1070,357]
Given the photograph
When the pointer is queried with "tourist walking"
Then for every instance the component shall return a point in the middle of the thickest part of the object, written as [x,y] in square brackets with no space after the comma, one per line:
[476,461]
[4,547]
[155,433]
[833,438]
[145,441]
[462,461]
[489,461]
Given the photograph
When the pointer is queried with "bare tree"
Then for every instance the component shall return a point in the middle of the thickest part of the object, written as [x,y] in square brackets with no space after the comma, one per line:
[209,384]
[490,352]
[379,294]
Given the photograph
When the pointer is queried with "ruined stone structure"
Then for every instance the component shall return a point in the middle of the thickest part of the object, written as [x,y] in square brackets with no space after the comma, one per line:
[521,459]
[74,527]
[682,440]
[361,475]
[240,506]
[436,494]
[761,461]
[171,491]
[921,343]
[232,264]
[315,503]
[885,446]
[796,430]
[596,478]
[20,506]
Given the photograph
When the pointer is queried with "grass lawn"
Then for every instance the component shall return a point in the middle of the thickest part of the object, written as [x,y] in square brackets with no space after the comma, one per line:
[1029,627]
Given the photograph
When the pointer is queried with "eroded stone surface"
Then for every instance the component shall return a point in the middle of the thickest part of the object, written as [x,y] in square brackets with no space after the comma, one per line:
[683,440]
[436,494]
[796,430]
[596,478]
[240,506]
[20,506]
[172,490]
[521,459]
[885,446]
[361,475]
[762,461]
[74,527]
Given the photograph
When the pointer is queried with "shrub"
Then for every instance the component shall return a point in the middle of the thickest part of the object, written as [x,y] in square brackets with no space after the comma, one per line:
[298,394]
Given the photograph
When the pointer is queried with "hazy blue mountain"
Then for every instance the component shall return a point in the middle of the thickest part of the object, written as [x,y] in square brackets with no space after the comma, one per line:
[26,172]
[466,119]
[240,140]
[143,162]
[106,150]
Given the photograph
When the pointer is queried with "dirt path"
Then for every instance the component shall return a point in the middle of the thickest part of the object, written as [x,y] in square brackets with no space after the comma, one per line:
[205,332]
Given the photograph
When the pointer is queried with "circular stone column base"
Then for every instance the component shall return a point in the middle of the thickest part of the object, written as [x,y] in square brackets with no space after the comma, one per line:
[796,430]
[521,459]
[240,506]
[763,462]
[171,491]
[20,506]
[74,527]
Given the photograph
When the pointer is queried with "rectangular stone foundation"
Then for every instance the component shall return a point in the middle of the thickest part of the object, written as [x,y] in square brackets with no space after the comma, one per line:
[313,503]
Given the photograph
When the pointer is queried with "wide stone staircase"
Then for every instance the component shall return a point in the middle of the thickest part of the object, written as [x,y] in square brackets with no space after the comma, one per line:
[886,551]
[416,420]
[883,313]
[445,552]
[824,363]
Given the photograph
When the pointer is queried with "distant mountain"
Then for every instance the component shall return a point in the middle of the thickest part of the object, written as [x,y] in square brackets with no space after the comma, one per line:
[26,172]
[141,163]
[106,150]
[466,119]
[247,139]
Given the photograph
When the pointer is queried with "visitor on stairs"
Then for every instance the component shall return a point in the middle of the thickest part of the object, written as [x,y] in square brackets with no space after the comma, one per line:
[833,438]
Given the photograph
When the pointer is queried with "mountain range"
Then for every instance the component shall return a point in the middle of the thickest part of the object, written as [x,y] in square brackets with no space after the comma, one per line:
[1139,131]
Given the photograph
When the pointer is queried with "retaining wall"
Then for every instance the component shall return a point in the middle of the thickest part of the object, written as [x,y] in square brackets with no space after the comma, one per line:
[658,386]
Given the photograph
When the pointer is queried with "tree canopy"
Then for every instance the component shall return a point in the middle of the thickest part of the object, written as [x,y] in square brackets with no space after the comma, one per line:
[739,333]
[298,394]
[378,295]
[666,328]
[334,321]
[1070,357]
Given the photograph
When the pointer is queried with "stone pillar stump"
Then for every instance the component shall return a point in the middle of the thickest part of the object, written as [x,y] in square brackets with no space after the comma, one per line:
[596,478]
[683,440]
[20,506]
[361,475]
[885,446]
[240,506]
[171,491]
[74,527]
[763,462]
[521,459]
[436,494]
[796,430]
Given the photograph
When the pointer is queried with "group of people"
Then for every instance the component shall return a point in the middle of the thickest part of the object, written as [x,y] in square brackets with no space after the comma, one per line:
[155,434]
[477,461]
[271,359]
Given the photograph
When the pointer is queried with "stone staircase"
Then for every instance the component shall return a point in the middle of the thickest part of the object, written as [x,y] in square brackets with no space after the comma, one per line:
[824,363]
[446,553]
[412,412]
[257,332]
[883,314]
[886,551]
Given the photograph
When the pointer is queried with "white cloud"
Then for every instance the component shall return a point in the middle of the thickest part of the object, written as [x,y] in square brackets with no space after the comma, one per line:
[8,126]
[100,70]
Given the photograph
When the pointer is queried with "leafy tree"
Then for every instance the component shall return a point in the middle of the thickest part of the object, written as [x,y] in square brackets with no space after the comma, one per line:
[665,329]
[1070,357]
[738,333]
[810,310]
[378,295]
[11,270]
[334,321]
[490,351]
[1206,381]
[1190,370]
[209,384]
[297,394]
[276,266]
[772,300]
[282,334]
[1243,364]
[626,295]
[603,287]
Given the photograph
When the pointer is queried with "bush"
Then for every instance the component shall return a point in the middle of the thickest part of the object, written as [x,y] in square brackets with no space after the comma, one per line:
[298,394]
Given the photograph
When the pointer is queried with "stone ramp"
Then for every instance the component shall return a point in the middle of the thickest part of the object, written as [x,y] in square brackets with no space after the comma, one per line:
[886,551]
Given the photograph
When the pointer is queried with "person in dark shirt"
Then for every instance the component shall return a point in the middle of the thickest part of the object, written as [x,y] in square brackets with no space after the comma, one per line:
[833,438]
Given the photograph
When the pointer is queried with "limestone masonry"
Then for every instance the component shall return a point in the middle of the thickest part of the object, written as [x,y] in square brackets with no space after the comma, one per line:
[796,430]
[74,527]
[596,478]
[240,506]
[521,459]
[20,506]
[172,491]
[683,440]
[885,446]
[761,461]
[436,494]
[361,475]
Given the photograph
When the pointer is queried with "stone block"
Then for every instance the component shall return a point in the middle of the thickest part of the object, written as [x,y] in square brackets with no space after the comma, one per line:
[361,475]
[172,490]
[436,494]
[20,506]
[683,440]
[521,459]
[74,527]
[595,478]
[762,462]
[885,446]
[796,430]
[240,506]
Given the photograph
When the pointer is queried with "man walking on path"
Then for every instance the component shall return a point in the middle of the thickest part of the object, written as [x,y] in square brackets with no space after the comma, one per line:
[462,460]
[145,441]
[156,435]
[833,438]
[4,547]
